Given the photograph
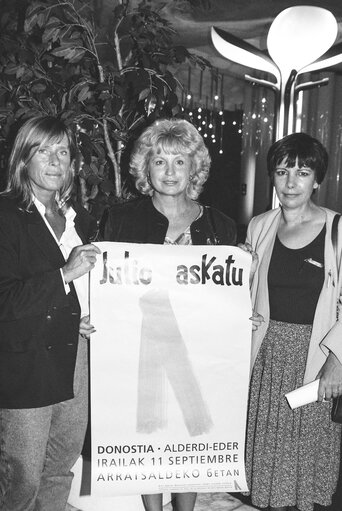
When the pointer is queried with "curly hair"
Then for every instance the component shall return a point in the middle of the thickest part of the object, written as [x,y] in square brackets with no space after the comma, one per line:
[32,135]
[173,136]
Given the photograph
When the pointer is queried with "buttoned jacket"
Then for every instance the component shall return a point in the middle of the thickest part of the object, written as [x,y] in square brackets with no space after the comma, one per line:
[39,321]
[327,330]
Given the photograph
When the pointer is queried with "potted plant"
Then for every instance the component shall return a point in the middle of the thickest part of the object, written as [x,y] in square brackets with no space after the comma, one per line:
[57,59]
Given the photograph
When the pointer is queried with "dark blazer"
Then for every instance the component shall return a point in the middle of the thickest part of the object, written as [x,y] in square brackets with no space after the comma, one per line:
[138,221]
[39,322]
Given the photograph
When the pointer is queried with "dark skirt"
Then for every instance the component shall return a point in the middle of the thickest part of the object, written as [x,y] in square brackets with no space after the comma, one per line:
[292,456]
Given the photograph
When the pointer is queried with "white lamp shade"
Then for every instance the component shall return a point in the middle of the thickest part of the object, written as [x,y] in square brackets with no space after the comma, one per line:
[237,50]
[331,58]
[299,35]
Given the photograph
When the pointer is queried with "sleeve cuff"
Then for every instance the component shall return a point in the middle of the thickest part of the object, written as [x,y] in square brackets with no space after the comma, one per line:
[332,341]
[66,286]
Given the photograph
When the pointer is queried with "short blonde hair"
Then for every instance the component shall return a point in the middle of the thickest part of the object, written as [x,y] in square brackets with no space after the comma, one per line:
[175,136]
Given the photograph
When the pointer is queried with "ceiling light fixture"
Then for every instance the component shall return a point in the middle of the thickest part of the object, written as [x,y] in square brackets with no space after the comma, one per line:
[299,40]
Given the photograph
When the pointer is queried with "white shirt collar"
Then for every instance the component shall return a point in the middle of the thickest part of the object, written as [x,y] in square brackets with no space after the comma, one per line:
[69,214]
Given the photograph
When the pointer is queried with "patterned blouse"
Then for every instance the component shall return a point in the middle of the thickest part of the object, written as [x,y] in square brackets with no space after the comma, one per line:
[185,237]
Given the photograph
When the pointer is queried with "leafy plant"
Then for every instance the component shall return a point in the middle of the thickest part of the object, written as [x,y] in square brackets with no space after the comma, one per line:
[56,59]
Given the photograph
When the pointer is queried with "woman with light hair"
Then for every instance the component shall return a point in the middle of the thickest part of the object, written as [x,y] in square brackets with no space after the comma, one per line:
[44,319]
[170,164]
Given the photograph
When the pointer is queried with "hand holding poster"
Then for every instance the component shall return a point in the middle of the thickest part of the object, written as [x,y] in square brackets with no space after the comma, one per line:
[170,368]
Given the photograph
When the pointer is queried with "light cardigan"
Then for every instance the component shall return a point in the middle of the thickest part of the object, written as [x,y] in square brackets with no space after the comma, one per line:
[326,331]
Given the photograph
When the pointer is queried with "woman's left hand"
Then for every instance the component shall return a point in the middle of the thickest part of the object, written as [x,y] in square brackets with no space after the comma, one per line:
[255,259]
[257,320]
[330,376]
[85,327]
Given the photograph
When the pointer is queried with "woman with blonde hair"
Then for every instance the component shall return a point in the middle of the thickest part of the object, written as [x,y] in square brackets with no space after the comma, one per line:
[43,319]
[170,164]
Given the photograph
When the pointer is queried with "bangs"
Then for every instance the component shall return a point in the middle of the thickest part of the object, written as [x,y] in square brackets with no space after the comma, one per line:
[47,139]
[53,138]
[171,144]
[304,160]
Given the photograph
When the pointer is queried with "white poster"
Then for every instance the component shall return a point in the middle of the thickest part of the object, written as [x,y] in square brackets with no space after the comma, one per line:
[169,368]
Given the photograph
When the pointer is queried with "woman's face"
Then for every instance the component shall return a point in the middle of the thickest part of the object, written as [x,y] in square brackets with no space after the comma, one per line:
[48,167]
[294,185]
[169,173]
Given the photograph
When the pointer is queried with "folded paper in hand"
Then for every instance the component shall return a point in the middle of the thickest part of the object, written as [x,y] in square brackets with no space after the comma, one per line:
[303,395]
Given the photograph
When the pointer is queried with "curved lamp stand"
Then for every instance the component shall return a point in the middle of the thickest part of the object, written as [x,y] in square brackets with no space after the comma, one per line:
[297,37]
[299,40]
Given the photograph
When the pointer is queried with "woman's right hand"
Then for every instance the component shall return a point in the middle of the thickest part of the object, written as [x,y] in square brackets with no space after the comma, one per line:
[330,378]
[81,260]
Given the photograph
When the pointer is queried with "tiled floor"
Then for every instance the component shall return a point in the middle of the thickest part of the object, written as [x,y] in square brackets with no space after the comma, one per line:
[217,502]
[204,502]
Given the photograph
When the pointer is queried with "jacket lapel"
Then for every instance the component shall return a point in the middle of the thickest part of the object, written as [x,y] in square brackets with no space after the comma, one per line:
[79,231]
[42,237]
[85,225]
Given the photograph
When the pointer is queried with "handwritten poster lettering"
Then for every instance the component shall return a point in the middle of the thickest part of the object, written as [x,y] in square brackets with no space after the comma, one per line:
[169,368]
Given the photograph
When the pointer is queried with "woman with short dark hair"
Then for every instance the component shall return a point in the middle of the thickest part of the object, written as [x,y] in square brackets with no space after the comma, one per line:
[293,456]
